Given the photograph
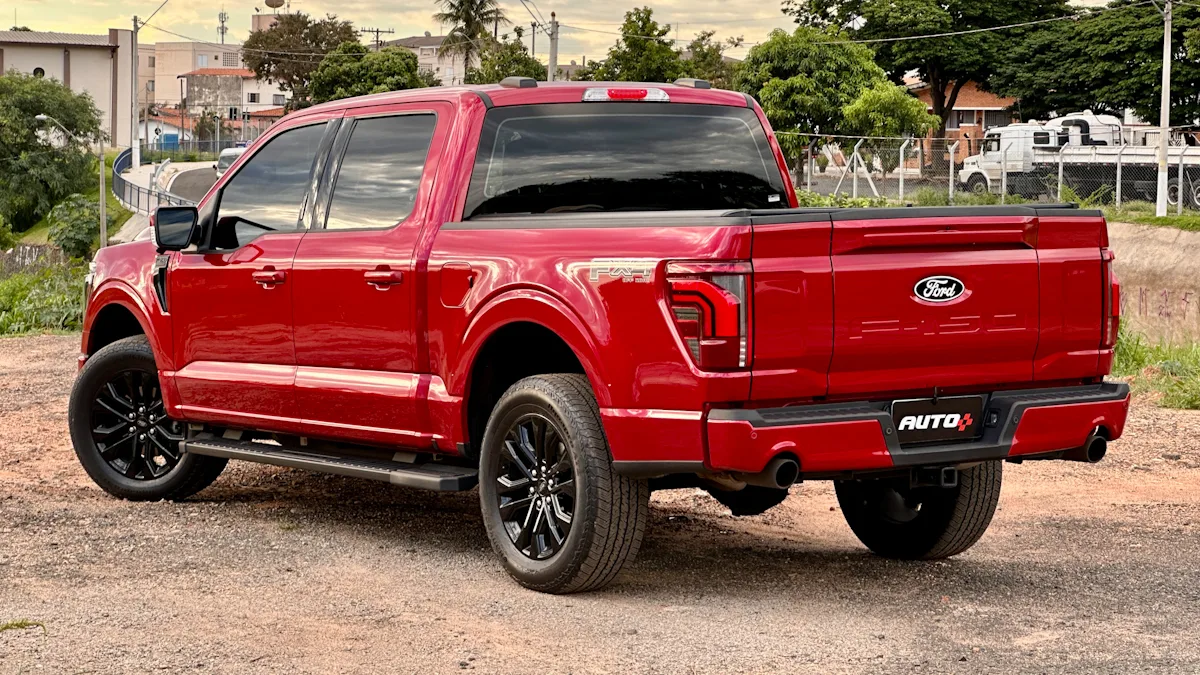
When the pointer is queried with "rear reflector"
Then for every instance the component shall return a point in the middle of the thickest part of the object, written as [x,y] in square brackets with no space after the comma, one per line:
[625,94]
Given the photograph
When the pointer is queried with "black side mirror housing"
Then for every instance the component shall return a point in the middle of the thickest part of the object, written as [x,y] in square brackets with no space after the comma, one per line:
[176,227]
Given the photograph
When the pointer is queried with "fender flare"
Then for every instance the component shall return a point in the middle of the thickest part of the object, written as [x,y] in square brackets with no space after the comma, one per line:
[118,292]
[537,307]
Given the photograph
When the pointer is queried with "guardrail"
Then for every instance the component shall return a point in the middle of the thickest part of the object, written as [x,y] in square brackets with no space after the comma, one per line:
[135,197]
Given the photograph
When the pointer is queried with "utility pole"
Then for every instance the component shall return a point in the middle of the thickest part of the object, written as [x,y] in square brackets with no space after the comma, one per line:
[533,38]
[1164,118]
[377,31]
[135,149]
[552,69]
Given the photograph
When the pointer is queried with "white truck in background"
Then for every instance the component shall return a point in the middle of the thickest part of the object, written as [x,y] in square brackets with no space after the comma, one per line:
[1097,153]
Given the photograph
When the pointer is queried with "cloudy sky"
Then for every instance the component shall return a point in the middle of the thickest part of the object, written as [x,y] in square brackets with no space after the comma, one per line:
[586,31]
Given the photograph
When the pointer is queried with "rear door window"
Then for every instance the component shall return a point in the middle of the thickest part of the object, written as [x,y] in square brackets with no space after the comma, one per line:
[607,157]
[380,172]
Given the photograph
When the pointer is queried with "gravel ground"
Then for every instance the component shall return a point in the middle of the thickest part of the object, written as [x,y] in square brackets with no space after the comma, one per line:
[1086,569]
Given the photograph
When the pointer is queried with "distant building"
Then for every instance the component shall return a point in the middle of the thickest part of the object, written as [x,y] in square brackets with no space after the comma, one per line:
[99,65]
[172,59]
[450,69]
[232,93]
[571,70]
[975,111]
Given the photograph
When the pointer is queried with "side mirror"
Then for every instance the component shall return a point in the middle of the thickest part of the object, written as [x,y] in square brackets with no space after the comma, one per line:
[175,227]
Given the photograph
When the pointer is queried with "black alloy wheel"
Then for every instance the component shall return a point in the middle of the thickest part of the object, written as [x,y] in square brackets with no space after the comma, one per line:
[535,490]
[130,427]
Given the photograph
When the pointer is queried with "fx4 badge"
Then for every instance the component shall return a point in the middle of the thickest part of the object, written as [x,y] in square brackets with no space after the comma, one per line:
[940,421]
[939,289]
[628,271]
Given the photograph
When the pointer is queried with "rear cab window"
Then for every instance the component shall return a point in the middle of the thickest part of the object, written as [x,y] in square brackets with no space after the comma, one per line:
[613,157]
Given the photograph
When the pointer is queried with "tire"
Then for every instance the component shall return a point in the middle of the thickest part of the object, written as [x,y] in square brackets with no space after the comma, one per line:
[751,500]
[945,522]
[122,379]
[977,184]
[607,512]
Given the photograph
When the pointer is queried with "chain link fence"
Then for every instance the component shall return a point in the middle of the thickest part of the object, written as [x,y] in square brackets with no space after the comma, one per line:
[188,151]
[1018,164]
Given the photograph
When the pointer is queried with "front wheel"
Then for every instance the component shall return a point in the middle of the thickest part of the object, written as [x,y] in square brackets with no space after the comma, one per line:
[921,523]
[558,515]
[122,434]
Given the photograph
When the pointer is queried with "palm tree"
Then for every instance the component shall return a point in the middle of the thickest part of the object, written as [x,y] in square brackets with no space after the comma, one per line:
[472,22]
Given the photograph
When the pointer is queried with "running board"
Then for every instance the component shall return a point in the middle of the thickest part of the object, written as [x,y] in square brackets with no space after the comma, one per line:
[439,477]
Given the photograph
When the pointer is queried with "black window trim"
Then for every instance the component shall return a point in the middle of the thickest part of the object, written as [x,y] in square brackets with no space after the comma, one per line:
[324,196]
[211,210]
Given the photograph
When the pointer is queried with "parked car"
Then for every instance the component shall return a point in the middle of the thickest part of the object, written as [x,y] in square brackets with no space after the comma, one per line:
[570,294]
[226,159]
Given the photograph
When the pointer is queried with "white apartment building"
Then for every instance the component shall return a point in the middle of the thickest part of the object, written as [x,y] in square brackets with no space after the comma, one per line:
[450,69]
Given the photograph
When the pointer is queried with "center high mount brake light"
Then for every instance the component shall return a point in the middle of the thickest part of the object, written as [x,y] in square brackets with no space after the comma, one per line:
[650,94]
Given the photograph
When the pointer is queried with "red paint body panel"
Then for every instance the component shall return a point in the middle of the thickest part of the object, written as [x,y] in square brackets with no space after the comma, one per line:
[1067,426]
[832,312]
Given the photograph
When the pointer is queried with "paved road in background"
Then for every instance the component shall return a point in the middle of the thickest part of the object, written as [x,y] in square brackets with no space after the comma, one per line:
[1086,569]
[194,184]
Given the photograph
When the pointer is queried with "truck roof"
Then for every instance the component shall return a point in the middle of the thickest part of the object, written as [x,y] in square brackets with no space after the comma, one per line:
[544,92]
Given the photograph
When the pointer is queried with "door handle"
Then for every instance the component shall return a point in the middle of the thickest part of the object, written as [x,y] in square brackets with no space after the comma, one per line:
[269,277]
[383,278]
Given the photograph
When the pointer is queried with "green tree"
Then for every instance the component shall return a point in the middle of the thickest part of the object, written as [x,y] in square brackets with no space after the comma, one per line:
[706,59]
[804,81]
[1105,62]
[643,53]
[945,64]
[40,165]
[353,70]
[206,127]
[886,111]
[471,24]
[75,224]
[288,52]
[503,59]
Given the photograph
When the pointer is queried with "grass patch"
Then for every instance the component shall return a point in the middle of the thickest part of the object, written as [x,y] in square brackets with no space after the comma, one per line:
[22,624]
[1142,213]
[49,299]
[1170,371]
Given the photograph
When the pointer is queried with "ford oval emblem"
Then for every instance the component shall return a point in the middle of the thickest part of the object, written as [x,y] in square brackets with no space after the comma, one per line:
[939,289]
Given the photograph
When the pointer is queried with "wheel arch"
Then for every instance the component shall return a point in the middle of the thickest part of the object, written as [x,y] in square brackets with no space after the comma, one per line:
[515,336]
[114,313]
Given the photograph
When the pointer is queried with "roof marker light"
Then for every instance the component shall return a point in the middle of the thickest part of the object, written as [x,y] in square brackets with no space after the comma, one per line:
[651,94]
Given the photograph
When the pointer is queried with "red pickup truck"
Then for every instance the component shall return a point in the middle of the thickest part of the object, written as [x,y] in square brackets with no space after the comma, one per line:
[571,294]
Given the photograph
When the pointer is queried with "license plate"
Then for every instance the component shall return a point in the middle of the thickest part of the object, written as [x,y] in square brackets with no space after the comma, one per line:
[950,418]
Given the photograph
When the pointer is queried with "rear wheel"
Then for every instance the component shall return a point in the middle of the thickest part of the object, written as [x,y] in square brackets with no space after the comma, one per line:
[923,523]
[558,515]
[751,500]
[121,432]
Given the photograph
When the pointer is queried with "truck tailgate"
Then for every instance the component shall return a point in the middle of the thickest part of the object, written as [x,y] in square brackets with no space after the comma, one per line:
[918,298]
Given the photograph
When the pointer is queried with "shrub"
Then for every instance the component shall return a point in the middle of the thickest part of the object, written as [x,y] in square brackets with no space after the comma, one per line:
[75,224]
[50,299]
[7,238]
[840,200]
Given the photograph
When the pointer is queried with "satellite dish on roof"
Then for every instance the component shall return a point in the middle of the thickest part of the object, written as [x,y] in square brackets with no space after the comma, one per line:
[274,4]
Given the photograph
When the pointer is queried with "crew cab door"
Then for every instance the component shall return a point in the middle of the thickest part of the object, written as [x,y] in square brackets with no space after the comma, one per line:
[357,341]
[929,298]
[231,300]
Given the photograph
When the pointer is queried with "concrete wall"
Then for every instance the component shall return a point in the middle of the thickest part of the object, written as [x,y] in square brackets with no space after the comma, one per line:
[1159,269]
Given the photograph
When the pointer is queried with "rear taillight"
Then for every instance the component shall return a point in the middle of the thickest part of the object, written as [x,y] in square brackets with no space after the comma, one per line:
[1111,314]
[710,306]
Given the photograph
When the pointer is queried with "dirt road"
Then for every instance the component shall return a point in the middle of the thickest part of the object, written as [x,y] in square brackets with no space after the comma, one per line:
[1086,569]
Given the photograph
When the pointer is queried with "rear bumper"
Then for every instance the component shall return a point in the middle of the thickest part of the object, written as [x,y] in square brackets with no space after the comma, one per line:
[843,438]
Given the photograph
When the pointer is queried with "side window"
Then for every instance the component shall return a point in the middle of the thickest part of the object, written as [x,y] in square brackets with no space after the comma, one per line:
[380,171]
[268,191]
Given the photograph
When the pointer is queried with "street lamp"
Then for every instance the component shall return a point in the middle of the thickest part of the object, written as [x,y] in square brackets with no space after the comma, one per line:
[103,197]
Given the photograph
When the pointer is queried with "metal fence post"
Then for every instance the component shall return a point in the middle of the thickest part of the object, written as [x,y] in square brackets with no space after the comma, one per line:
[808,169]
[1182,184]
[1060,174]
[1004,174]
[1120,152]
[903,151]
[855,162]
[953,151]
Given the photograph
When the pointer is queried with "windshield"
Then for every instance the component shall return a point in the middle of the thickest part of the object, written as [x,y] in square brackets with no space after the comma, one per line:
[227,159]
[597,157]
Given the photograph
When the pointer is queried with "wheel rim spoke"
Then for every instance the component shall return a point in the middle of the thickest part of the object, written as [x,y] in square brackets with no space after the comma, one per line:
[132,400]
[535,486]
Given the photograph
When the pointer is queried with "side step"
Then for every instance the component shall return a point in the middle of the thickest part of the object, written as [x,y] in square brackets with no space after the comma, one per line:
[440,477]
